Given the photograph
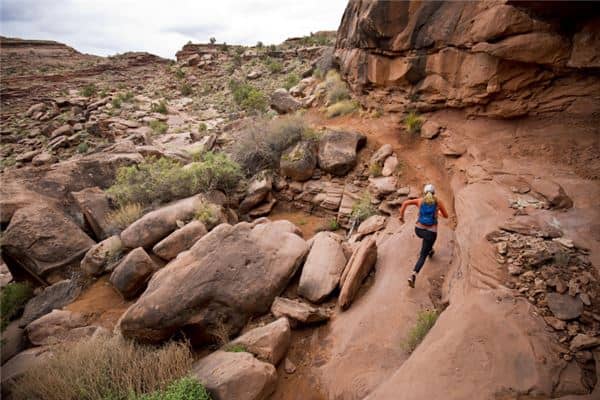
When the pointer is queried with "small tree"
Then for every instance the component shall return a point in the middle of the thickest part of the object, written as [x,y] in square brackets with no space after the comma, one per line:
[259,44]
[212,40]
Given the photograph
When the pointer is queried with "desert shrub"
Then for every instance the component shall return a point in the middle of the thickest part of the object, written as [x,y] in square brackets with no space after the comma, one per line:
[333,224]
[375,169]
[182,389]
[290,81]
[104,368]
[319,74]
[12,301]
[259,44]
[336,88]
[312,135]
[274,66]
[83,147]
[125,215]
[179,73]
[342,108]
[425,321]
[88,90]
[116,102]
[236,348]
[212,40]
[413,122]
[158,127]
[260,145]
[207,214]
[247,96]
[186,89]
[202,127]
[363,208]
[160,107]
[161,180]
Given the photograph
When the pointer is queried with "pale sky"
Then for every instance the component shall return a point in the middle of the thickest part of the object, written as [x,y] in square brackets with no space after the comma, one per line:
[105,27]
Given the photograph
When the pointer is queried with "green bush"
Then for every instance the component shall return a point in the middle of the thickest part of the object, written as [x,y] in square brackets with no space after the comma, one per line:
[83,147]
[425,321]
[160,107]
[12,301]
[182,389]
[88,90]
[247,96]
[116,102]
[207,214]
[290,81]
[333,224]
[413,122]
[162,180]
[363,208]
[342,108]
[375,169]
[158,127]
[104,368]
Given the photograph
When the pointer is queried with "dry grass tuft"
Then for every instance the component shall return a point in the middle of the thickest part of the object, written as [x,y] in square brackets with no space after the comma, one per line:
[425,321]
[104,368]
[343,107]
[125,215]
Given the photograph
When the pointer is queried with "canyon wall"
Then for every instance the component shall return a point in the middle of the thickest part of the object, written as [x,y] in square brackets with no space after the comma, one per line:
[496,58]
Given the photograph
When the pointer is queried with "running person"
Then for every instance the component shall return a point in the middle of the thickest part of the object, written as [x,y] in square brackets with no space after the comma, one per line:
[426,226]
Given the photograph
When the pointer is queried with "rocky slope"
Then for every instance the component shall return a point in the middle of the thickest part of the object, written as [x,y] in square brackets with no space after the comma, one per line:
[494,58]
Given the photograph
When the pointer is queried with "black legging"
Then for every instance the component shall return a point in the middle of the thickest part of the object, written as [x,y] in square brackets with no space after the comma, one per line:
[428,241]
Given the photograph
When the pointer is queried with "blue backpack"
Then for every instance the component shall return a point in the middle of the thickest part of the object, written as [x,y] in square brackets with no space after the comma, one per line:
[428,214]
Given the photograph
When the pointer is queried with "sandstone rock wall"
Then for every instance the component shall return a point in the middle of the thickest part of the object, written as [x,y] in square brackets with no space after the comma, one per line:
[491,58]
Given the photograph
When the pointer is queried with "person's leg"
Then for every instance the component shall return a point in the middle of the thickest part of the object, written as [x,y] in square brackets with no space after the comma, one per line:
[426,248]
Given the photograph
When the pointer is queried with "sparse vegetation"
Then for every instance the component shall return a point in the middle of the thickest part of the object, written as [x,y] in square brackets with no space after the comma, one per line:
[247,96]
[125,215]
[342,108]
[425,321]
[212,40]
[375,169]
[182,389]
[179,73]
[363,208]
[333,224]
[202,127]
[116,102]
[88,90]
[259,44]
[107,368]
[336,88]
[290,81]
[13,298]
[83,147]
[160,107]
[260,145]
[158,127]
[413,122]
[161,180]
[236,348]
[274,66]
[186,89]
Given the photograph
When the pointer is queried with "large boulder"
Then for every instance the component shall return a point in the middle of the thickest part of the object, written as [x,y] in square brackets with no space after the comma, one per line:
[338,151]
[158,224]
[180,240]
[563,306]
[13,341]
[42,240]
[132,273]
[235,376]
[360,264]
[283,102]
[228,275]
[56,327]
[18,365]
[93,203]
[102,256]
[323,267]
[268,343]
[299,161]
[381,154]
[56,296]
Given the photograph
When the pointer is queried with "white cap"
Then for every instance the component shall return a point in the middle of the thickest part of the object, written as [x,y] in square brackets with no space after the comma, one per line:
[429,188]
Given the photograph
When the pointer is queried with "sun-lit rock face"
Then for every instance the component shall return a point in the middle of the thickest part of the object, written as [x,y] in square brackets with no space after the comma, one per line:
[490,57]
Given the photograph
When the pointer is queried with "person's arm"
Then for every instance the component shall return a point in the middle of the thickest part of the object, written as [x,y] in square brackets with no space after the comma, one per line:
[442,209]
[413,202]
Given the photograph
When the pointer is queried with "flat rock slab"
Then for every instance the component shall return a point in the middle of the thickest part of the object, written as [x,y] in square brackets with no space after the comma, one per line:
[563,306]
[360,264]
[298,311]
[235,376]
[56,296]
[371,225]
[268,343]
[338,151]
[323,267]
[584,342]
[54,327]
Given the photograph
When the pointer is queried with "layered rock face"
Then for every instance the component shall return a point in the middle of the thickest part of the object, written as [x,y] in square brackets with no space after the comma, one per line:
[492,58]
